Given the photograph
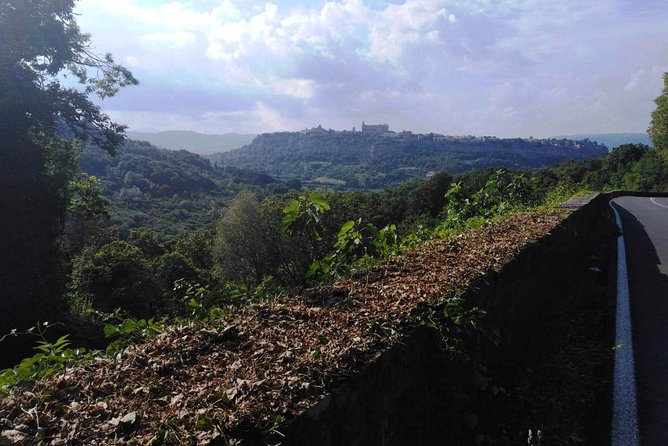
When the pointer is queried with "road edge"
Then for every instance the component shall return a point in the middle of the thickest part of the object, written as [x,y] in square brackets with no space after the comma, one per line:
[624,410]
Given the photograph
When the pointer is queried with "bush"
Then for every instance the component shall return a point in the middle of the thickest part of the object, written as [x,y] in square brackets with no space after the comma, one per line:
[115,276]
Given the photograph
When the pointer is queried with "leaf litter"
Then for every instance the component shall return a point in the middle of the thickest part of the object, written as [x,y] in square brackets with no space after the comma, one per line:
[264,363]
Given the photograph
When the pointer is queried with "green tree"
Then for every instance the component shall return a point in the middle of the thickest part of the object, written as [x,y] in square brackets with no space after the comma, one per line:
[649,174]
[87,207]
[242,251]
[619,162]
[197,247]
[145,240]
[171,267]
[658,127]
[115,276]
[290,254]
[40,118]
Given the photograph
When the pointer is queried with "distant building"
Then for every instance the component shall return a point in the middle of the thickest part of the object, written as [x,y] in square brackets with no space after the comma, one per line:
[378,129]
[317,129]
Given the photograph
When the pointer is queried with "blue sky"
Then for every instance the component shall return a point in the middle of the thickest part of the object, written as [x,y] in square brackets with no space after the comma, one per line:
[506,68]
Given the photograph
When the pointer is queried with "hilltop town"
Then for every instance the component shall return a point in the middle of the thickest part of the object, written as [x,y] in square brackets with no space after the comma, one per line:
[376,157]
[383,131]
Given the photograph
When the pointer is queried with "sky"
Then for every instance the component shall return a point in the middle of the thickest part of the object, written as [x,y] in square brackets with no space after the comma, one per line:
[480,67]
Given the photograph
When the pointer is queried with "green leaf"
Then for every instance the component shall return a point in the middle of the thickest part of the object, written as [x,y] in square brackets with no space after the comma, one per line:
[319,200]
[347,227]
[128,326]
[110,330]
[312,270]
[62,341]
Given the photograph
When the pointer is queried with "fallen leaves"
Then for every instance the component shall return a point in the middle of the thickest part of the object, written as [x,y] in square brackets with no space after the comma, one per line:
[264,363]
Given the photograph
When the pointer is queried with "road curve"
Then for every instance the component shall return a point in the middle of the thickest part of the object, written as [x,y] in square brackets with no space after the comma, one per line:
[645,228]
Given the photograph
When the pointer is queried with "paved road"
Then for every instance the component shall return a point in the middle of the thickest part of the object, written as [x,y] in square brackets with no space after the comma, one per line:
[645,224]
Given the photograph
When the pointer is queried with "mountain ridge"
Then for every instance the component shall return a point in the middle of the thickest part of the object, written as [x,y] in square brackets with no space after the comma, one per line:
[195,142]
[374,161]
[611,140]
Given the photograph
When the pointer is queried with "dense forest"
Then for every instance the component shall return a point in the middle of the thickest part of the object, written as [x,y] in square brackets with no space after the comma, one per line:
[171,192]
[359,161]
[168,191]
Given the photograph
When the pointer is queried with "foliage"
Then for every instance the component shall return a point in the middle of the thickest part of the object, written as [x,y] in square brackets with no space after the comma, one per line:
[116,275]
[630,167]
[458,324]
[201,304]
[355,161]
[197,247]
[145,240]
[51,357]
[242,251]
[305,215]
[86,214]
[418,201]
[123,330]
[40,122]
[137,275]
[170,192]
[209,304]
[418,237]
[40,41]
[356,246]
[658,128]
[503,192]
[173,266]
[86,197]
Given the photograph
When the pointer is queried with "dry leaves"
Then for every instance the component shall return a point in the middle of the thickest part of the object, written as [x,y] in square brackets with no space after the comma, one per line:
[264,364]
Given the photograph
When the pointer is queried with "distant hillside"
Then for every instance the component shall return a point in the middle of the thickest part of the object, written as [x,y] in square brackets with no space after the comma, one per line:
[353,160]
[168,191]
[612,140]
[194,142]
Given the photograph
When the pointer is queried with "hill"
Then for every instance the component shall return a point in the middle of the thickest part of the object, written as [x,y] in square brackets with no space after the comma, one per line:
[194,142]
[169,191]
[612,140]
[356,160]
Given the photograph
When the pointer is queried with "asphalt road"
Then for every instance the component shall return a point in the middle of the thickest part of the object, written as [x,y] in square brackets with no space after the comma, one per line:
[645,227]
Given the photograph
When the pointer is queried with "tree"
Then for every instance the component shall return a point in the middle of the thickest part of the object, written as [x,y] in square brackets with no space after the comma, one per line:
[87,208]
[648,174]
[658,128]
[197,247]
[115,276]
[241,249]
[145,240]
[40,120]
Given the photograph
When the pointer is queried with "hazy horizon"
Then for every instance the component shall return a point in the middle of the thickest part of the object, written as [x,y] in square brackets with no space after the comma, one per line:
[508,68]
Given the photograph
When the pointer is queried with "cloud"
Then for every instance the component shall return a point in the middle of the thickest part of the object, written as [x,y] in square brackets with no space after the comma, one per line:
[516,67]
[635,78]
[299,88]
[381,36]
[172,15]
[175,39]
[399,27]
[233,39]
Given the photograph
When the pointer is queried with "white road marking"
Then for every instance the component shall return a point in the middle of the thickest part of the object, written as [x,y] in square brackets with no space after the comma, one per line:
[658,204]
[624,411]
